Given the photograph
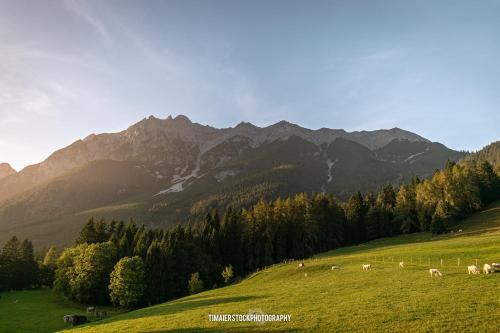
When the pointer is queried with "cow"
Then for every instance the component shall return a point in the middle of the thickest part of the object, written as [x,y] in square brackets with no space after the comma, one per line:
[472,269]
[366,267]
[301,265]
[495,267]
[459,230]
[435,272]
[75,319]
[487,269]
[68,318]
[79,320]
[90,310]
[335,267]
[401,264]
[101,314]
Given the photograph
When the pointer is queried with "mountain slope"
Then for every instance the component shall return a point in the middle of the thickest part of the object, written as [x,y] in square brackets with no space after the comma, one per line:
[160,171]
[490,153]
[385,299]
[6,170]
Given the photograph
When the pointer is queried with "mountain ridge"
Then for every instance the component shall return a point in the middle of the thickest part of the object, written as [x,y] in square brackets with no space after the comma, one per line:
[161,171]
[197,136]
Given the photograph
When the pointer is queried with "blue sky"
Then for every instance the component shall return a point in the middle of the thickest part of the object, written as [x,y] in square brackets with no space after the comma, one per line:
[71,68]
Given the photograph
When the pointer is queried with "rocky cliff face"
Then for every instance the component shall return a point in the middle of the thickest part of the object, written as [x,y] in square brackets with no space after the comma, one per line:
[168,146]
[161,170]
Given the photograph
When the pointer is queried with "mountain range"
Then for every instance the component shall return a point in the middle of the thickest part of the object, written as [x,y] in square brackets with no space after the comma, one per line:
[164,171]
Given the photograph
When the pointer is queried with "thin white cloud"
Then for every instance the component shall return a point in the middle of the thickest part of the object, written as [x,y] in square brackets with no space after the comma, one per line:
[82,11]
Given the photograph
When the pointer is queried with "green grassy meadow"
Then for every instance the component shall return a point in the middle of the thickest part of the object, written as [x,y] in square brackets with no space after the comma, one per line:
[35,311]
[385,299]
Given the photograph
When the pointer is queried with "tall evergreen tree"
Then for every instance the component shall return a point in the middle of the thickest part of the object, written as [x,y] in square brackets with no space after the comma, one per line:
[28,266]
[88,233]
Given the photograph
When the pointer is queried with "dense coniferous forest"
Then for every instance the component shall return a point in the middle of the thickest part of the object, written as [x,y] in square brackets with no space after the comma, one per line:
[131,266]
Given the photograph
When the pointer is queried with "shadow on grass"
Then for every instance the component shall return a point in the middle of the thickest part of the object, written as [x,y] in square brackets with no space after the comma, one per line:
[179,306]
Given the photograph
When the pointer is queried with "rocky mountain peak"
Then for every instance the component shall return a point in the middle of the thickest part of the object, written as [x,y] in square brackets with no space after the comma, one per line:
[182,118]
[6,170]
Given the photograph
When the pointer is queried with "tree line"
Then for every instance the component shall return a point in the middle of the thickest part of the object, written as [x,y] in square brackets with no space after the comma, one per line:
[19,269]
[132,266]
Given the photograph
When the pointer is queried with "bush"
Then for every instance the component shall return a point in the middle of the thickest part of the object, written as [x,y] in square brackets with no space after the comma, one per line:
[195,284]
[228,274]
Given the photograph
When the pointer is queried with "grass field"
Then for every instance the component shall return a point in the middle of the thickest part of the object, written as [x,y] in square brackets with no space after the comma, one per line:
[36,311]
[385,299]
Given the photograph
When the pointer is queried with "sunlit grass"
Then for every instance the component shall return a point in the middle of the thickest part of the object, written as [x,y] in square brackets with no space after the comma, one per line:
[385,299]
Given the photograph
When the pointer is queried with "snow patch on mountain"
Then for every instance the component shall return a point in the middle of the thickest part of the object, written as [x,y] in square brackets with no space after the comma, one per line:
[330,165]
[179,180]
[411,158]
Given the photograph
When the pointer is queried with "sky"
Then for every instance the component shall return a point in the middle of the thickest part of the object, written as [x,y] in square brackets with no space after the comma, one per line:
[71,68]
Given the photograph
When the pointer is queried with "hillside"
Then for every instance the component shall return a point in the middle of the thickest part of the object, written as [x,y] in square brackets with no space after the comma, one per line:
[490,153]
[386,298]
[37,311]
[161,171]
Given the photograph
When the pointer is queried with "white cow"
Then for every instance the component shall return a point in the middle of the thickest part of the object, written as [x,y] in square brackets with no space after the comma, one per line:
[301,265]
[335,267]
[435,272]
[401,264]
[472,269]
[366,267]
[487,269]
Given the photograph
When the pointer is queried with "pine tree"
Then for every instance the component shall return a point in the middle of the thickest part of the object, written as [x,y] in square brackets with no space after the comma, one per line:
[11,254]
[101,232]
[157,282]
[355,214]
[231,245]
[195,284]
[28,266]
[88,233]
[442,218]
[48,267]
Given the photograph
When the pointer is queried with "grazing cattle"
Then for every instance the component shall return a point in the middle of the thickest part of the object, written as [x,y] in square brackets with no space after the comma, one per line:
[435,272]
[459,230]
[472,269]
[487,269]
[401,264]
[335,267]
[91,309]
[495,267]
[101,314]
[79,320]
[68,318]
[75,319]
[301,265]
[366,267]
